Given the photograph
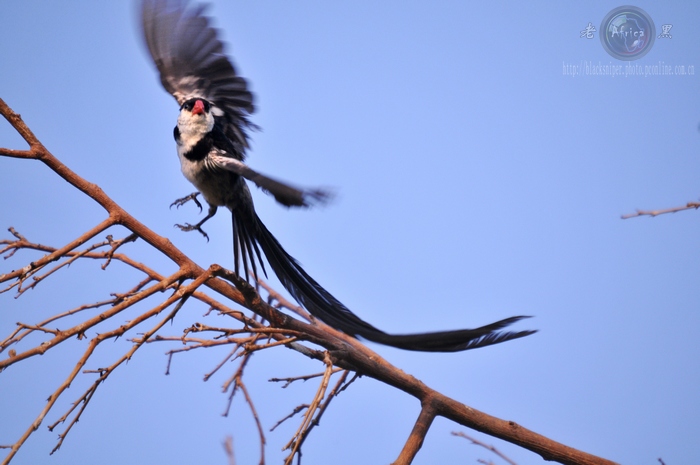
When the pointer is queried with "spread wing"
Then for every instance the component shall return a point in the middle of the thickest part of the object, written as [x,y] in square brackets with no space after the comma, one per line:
[191,61]
[287,195]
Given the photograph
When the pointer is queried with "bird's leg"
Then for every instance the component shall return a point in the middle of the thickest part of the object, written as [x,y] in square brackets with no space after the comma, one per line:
[198,227]
[180,202]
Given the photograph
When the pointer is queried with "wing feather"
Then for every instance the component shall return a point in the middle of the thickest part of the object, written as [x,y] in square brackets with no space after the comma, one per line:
[285,194]
[192,62]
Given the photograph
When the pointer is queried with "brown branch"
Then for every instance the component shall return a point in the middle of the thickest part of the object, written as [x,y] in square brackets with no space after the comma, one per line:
[16,336]
[289,381]
[254,412]
[294,444]
[105,372]
[283,303]
[415,440]
[297,409]
[237,381]
[115,245]
[23,243]
[179,297]
[71,259]
[339,387]
[484,445]
[26,271]
[81,328]
[86,397]
[688,206]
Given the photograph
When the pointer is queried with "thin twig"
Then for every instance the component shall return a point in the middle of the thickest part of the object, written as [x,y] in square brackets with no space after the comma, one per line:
[290,380]
[484,445]
[228,448]
[297,409]
[294,444]
[688,206]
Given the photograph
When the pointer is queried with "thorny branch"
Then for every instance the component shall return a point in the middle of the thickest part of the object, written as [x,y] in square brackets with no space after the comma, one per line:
[189,282]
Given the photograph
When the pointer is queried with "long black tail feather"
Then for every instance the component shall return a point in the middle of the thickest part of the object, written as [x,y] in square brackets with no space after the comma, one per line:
[249,232]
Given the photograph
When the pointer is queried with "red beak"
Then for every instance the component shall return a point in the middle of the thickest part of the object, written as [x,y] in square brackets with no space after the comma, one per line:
[198,108]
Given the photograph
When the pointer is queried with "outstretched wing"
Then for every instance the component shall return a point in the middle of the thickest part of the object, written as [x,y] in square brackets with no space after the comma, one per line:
[287,195]
[191,61]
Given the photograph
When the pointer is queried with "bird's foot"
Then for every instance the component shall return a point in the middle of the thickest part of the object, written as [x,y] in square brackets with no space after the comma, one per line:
[180,202]
[193,227]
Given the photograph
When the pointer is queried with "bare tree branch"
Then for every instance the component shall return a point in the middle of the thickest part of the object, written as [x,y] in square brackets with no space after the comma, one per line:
[688,206]
[484,445]
[191,281]
[417,436]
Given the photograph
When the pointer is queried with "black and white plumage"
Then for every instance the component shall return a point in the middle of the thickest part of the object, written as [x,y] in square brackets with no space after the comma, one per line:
[211,136]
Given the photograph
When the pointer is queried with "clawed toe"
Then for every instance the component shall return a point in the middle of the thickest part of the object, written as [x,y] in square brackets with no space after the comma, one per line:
[180,202]
[192,227]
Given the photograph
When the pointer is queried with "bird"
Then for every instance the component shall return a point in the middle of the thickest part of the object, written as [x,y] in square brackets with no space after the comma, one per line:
[212,138]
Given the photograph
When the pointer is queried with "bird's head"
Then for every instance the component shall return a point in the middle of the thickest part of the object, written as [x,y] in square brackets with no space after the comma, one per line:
[196,106]
[196,118]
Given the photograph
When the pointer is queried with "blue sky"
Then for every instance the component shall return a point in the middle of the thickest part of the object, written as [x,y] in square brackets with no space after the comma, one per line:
[476,180]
